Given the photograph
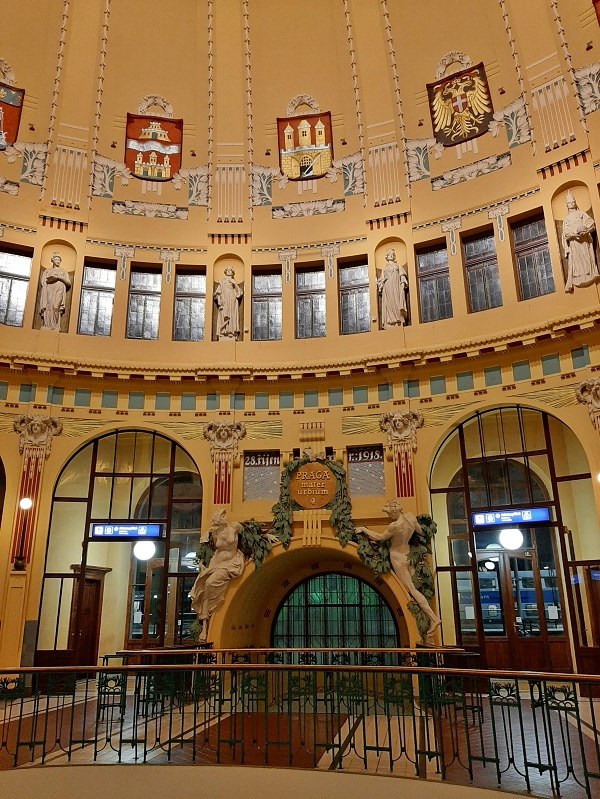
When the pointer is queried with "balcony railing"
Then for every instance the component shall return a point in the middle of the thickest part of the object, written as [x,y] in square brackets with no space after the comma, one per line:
[420,717]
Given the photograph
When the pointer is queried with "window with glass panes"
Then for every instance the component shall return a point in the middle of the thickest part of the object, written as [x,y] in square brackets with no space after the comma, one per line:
[434,284]
[534,268]
[310,303]
[190,304]
[144,304]
[334,610]
[266,305]
[481,270]
[355,309]
[15,269]
[97,299]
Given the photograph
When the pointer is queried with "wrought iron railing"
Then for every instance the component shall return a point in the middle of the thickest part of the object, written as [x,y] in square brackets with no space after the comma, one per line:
[517,731]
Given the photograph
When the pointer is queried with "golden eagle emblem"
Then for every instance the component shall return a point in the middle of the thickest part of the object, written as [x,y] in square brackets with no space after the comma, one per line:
[460,106]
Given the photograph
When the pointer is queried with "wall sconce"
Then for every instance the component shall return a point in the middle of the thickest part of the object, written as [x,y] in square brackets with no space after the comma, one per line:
[267,151]
[114,145]
[31,126]
[501,90]
[343,142]
[420,123]
[192,153]
[589,46]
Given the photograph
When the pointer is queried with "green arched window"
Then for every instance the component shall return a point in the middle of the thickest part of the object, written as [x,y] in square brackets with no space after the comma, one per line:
[334,610]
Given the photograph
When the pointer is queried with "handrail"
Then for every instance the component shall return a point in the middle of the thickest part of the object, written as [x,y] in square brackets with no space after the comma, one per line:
[431,670]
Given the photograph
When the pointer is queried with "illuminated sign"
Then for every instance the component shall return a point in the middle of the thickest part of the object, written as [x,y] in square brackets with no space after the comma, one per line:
[497,518]
[105,531]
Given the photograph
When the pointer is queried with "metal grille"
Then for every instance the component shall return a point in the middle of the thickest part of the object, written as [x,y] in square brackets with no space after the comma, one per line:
[334,610]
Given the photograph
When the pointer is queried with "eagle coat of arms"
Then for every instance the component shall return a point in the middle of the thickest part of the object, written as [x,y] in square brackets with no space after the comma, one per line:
[460,106]
[11,104]
[153,147]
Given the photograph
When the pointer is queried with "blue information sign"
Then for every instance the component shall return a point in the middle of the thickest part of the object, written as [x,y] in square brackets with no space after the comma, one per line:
[105,531]
[512,516]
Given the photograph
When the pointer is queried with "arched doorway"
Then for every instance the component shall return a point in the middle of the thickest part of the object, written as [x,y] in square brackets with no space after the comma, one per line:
[334,610]
[102,594]
[509,469]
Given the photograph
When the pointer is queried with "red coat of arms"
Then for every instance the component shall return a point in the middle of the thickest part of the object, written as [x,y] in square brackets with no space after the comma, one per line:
[305,145]
[460,106]
[153,146]
[11,104]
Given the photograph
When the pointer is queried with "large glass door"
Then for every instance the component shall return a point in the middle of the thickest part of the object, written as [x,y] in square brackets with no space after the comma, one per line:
[521,602]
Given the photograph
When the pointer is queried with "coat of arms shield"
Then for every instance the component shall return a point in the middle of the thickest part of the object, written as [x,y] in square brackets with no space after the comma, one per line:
[11,104]
[305,145]
[460,106]
[153,146]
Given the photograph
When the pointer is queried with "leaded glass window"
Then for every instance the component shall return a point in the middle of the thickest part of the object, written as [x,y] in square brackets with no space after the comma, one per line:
[534,268]
[97,300]
[14,279]
[434,284]
[266,306]
[310,303]
[144,304]
[481,267]
[334,610]
[355,309]
[189,308]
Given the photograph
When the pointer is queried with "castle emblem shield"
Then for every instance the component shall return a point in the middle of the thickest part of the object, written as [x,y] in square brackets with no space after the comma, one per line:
[11,104]
[305,145]
[460,106]
[153,146]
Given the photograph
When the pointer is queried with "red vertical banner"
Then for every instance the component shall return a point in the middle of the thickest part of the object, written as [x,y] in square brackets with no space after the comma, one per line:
[597,7]
[405,484]
[29,486]
[35,439]
[222,476]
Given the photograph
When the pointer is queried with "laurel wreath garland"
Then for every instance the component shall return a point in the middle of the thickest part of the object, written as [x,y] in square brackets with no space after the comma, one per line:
[374,555]
[251,541]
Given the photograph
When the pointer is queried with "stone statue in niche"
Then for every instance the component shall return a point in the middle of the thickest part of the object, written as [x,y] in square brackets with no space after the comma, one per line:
[227,297]
[578,247]
[392,284]
[399,532]
[55,284]
[226,564]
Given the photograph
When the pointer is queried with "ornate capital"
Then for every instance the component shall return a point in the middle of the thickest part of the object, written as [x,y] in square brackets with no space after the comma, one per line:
[36,431]
[223,438]
[588,393]
[401,428]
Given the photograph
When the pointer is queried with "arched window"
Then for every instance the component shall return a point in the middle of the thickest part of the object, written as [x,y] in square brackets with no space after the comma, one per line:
[511,492]
[334,610]
[98,596]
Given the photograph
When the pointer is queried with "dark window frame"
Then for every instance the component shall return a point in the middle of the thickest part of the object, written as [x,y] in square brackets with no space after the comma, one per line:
[440,277]
[535,246]
[272,298]
[186,294]
[310,296]
[482,268]
[354,290]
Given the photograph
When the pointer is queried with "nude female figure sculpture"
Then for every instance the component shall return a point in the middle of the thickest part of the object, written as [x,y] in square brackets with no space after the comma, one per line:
[400,530]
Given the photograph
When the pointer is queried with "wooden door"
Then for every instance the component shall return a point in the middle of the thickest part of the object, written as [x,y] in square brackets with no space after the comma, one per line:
[84,627]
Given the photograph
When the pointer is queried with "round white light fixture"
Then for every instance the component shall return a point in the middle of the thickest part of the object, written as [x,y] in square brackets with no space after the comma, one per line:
[144,550]
[511,538]
[598,477]
[25,503]
[490,565]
